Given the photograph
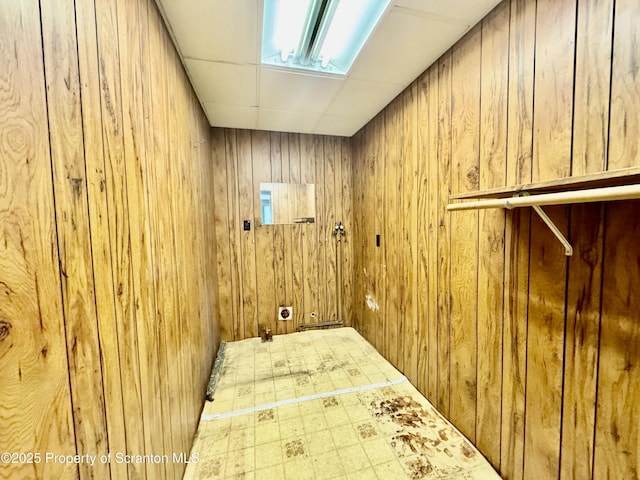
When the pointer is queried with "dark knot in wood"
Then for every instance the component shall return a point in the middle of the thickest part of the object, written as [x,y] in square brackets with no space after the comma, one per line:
[5,329]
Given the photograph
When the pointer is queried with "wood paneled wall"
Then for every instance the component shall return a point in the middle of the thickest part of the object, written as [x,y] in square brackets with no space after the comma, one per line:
[531,354]
[108,325]
[269,266]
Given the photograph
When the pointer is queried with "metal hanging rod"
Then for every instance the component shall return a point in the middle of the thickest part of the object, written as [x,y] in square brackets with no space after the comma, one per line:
[523,199]
[604,194]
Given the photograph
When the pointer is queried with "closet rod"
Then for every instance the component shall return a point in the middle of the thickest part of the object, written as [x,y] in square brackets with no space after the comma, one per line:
[624,192]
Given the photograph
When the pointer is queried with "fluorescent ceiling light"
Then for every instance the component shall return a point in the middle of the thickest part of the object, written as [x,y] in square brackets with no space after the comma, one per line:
[318,35]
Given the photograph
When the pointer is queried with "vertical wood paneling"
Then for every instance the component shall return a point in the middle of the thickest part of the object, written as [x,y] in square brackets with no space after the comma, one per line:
[545,342]
[116,331]
[433,267]
[592,86]
[35,398]
[617,440]
[99,228]
[409,342]
[265,272]
[444,240]
[248,245]
[295,261]
[279,265]
[347,245]
[424,229]
[74,243]
[513,343]
[465,137]
[522,31]
[624,145]
[514,363]
[553,98]
[491,225]
[581,343]
[390,265]
[379,214]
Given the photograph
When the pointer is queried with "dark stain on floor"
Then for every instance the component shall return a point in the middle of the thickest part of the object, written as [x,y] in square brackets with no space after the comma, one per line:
[402,410]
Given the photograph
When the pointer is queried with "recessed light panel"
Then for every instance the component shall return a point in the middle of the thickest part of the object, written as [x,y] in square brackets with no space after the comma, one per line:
[318,35]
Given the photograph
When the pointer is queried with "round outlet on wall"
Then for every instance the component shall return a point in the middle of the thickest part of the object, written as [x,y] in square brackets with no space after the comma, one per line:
[285,313]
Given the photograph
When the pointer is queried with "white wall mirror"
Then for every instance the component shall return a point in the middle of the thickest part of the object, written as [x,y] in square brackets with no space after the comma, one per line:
[287,203]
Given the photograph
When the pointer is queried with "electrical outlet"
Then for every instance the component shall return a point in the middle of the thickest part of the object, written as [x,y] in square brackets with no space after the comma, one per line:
[285,313]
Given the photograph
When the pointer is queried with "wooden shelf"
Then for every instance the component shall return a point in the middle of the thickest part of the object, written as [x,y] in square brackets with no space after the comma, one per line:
[613,178]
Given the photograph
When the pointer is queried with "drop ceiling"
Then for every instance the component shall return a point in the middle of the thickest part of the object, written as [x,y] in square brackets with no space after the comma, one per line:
[219,42]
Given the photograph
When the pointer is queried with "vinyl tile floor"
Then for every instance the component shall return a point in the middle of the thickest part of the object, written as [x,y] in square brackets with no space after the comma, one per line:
[324,404]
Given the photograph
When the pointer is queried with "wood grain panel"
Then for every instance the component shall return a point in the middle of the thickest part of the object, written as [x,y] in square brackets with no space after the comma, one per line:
[444,239]
[423,224]
[624,145]
[514,363]
[539,348]
[278,265]
[465,136]
[35,400]
[390,223]
[522,41]
[433,267]
[127,303]
[264,235]
[553,98]
[293,239]
[617,438]
[74,243]
[581,347]
[409,338]
[522,35]
[118,224]
[308,159]
[99,228]
[347,246]
[592,86]
[162,237]
[491,225]
[545,344]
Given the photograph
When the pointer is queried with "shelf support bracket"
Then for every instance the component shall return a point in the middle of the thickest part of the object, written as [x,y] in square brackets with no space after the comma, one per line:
[568,249]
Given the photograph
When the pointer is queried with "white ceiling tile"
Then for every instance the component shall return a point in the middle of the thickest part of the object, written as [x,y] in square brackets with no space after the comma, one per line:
[219,41]
[223,83]
[344,126]
[282,90]
[363,99]
[403,47]
[231,116]
[468,11]
[220,30]
[284,121]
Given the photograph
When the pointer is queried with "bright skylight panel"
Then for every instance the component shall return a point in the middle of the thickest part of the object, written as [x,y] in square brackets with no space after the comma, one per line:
[318,35]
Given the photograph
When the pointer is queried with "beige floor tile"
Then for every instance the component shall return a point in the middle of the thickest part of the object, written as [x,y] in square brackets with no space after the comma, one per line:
[354,458]
[344,435]
[268,455]
[301,469]
[320,442]
[390,470]
[291,428]
[314,422]
[327,466]
[366,474]
[336,417]
[379,451]
[239,462]
[275,472]
[337,436]
[267,433]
